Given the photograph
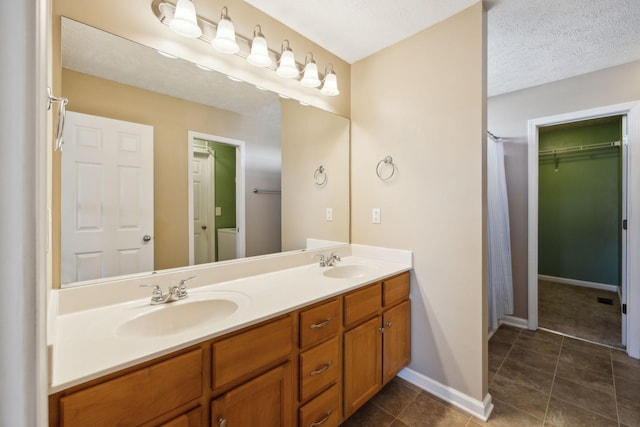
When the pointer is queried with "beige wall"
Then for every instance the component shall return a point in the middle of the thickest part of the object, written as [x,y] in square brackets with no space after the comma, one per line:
[507,117]
[422,101]
[310,138]
[171,119]
[135,21]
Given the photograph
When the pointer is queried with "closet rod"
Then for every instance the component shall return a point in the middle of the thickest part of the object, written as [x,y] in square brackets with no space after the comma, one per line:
[578,148]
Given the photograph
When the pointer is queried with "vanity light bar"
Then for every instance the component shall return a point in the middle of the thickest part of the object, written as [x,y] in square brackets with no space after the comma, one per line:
[165,11]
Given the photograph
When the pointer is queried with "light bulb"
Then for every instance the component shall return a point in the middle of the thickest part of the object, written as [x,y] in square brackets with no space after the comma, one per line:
[225,39]
[184,20]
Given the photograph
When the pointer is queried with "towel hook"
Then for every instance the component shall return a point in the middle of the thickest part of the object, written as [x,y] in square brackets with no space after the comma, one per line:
[320,176]
[386,163]
[62,113]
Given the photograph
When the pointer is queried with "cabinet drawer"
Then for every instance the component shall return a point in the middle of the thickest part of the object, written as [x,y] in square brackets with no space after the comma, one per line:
[136,397]
[323,411]
[249,351]
[362,303]
[395,289]
[319,322]
[319,367]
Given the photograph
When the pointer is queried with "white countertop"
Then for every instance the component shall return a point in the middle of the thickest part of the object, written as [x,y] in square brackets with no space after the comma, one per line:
[85,344]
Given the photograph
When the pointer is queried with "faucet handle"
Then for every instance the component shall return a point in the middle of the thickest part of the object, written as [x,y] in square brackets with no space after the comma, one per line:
[182,287]
[182,282]
[156,294]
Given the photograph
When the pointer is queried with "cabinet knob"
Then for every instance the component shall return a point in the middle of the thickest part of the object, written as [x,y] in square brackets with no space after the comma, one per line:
[389,324]
[381,330]
[222,422]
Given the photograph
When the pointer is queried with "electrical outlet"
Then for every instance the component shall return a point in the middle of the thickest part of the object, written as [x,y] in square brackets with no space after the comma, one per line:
[218,211]
[375,215]
[329,214]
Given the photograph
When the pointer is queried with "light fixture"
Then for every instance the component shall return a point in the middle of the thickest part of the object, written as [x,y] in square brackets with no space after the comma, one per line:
[330,86]
[287,65]
[225,39]
[310,76]
[259,55]
[184,20]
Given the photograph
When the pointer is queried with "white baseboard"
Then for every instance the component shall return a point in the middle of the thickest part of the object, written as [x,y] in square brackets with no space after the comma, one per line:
[478,409]
[517,322]
[592,285]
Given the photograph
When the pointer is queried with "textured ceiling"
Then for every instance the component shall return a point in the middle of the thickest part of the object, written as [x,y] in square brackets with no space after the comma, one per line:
[530,42]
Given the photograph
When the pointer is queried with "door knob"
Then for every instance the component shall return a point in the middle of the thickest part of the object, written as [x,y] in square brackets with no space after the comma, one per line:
[146,238]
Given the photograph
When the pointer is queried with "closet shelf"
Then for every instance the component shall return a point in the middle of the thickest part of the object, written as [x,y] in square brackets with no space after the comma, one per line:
[562,150]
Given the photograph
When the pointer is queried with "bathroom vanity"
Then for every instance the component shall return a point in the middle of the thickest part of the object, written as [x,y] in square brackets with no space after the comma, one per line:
[313,364]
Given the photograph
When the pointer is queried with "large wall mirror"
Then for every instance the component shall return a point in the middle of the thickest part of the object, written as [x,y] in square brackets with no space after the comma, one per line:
[257,153]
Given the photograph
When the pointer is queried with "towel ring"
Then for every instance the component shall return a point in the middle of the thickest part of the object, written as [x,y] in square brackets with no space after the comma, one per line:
[320,176]
[62,113]
[386,163]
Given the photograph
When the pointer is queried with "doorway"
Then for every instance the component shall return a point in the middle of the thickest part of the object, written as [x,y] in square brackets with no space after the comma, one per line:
[580,215]
[216,198]
[629,273]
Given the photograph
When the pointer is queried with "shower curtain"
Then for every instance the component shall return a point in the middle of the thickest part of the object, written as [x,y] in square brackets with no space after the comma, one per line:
[499,245]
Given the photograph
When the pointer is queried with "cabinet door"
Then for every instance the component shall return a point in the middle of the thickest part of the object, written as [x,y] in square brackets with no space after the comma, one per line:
[264,401]
[362,364]
[396,340]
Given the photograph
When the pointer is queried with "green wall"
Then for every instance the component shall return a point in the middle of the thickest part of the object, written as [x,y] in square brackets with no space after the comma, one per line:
[225,184]
[580,203]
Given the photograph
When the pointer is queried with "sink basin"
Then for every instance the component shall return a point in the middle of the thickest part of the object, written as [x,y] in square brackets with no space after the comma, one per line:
[345,271]
[173,318]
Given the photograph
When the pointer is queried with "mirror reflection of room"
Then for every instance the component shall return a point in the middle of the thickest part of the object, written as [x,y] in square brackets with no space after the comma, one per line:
[109,78]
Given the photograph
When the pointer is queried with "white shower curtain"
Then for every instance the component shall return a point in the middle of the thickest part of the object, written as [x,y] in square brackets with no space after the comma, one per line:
[499,245]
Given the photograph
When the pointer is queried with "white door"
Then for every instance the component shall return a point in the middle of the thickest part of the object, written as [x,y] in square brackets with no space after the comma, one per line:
[106,198]
[203,201]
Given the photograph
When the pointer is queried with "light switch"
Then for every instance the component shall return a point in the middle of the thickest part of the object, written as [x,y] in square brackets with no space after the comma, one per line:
[375,215]
[329,214]
[218,211]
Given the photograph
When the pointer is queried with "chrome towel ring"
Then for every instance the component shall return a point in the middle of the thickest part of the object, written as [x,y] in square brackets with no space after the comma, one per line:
[384,166]
[62,112]
[320,176]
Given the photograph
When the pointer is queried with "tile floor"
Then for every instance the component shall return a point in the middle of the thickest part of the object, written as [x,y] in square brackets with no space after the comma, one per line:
[535,379]
[575,311]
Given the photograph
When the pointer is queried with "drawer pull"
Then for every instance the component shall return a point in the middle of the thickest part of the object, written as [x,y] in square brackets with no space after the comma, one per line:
[322,421]
[222,422]
[321,324]
[321,370]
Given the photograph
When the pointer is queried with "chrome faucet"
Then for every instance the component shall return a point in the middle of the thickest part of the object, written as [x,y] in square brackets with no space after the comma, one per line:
[176,292]
[329,261]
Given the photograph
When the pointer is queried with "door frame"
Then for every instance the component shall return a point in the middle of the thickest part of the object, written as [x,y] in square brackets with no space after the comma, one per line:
[632,274]
[211,218]
[240,184]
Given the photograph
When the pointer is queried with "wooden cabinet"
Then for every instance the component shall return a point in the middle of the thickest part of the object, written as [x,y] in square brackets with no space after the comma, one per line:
[396,340]
[311,367]
[362,364]
[137,397]
[247,352]
[264,401]
[378,347]
[323,411]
